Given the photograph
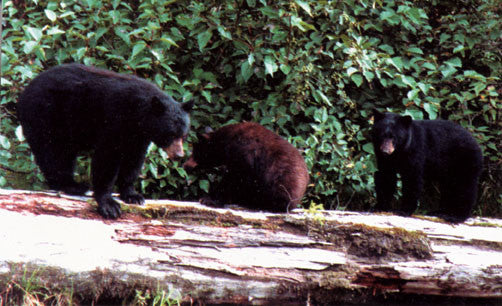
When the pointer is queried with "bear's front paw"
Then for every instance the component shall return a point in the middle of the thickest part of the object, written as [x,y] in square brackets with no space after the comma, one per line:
[132,198]
[108,208]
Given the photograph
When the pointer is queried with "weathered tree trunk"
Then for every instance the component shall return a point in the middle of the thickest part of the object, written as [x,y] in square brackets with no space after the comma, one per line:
[211,256]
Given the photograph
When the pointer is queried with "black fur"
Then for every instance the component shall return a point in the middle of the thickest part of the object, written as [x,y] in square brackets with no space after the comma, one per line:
[73,108]
[436,150]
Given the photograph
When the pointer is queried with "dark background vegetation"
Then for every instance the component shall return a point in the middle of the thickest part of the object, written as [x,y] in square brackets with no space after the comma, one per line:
[312,71]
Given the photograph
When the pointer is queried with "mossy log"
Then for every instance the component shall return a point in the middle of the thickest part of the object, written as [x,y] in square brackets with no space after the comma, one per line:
[204,255]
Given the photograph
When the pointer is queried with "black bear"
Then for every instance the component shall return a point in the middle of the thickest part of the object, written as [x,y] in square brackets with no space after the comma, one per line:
[262,170]
[434,150]
[73,108]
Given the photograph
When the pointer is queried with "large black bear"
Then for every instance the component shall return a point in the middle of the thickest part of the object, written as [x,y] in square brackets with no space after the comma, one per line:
[262,170]
[419,150]
[72,108]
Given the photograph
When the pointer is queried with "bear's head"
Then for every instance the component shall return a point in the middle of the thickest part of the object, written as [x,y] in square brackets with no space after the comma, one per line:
[168,123]
[205,153]
[391,132]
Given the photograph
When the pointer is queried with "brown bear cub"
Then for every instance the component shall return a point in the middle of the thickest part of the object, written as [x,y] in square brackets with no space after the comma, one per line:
[262,170]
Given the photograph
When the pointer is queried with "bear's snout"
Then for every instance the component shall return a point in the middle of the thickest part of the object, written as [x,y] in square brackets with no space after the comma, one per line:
[175,150]
[387,146]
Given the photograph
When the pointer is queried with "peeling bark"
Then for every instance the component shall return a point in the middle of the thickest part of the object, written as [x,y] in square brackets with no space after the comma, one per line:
[214,256]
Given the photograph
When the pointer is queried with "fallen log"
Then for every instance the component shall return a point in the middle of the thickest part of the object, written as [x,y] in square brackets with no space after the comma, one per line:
[200,255]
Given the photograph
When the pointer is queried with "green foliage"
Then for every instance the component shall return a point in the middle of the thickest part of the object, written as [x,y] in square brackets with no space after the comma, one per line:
[309,70]
[158,298]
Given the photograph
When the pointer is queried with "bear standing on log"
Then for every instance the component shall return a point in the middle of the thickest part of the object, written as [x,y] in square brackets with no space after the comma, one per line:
[73,108]
[419,150]
[262,170]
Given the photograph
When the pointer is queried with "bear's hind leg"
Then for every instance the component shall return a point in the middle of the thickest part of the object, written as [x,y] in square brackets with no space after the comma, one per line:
[457,200]
[105,167]
[58,165]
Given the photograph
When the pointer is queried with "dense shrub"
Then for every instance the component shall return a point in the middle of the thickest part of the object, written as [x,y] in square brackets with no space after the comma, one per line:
[309,70]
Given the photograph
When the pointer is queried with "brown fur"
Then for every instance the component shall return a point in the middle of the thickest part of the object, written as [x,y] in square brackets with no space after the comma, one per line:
[263,170]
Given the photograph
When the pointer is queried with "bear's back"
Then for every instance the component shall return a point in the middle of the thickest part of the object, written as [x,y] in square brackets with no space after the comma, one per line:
[277,163]
[449,146]
[70,84]
[79,103]
[444,135]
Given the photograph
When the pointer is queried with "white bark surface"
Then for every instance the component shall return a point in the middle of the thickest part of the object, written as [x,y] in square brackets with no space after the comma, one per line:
[234,256]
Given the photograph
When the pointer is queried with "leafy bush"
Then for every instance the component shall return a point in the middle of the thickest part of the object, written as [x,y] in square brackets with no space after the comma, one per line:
[311,71]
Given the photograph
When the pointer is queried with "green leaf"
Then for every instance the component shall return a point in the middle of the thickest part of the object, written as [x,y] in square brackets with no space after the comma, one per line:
[251,59]
[321,115]
[479,87]
[474,75]
[413,94]
[357,79]
[122,33]
[459,48]
[29,46]
[415,50]
[207,95]
[323,97]
[300,24]
[369,75]
[224,33]
[429,66]
[285,68]
[444,37]
[414,14]
[447,70]
[351,71]
[454,62]
[397,62]
[368,148]
[424,87]
[138,47]
[4,142]
[408,80]
[55,31]
[169,41]
[50,15]
[80,53]
[305,6]
[153,170]
[203,38]
[35,33]
[431,110]
[270,65]
[19,133]
[246,70]
[390,16]
[388,49]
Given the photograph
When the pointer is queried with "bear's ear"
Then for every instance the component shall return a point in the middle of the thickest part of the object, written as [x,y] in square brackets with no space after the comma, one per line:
[378,115]
[405,120]
[157,106]
[187,106]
